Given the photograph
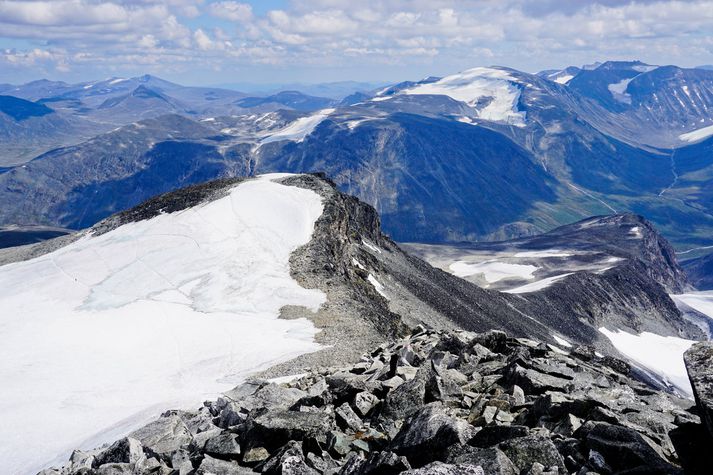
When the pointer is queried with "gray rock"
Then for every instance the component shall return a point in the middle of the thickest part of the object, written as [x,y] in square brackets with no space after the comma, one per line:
[440,468]
[126,450]
[223,446]
[347,418]
[383,463]
[276,428]
[624,449]
[426,435]
[364,402]
[699,364]
[164,435]
[525,451]
[535,382]
[214,466]
[255,455]
[491,460]
[115,469]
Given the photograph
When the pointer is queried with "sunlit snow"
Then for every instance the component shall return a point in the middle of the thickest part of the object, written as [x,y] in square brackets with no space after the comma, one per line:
[700,301]
[107,332]
[537,285]
[697,135]
[659,355]
[298,130]
[496,88]
[493,271]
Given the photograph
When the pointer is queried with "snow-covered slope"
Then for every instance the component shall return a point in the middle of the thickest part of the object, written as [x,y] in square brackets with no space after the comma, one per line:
[113,329]
[299,129]
[697,135]
[493,93]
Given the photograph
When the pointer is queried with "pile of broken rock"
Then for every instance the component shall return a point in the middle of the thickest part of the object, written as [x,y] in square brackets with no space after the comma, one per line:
[434,402]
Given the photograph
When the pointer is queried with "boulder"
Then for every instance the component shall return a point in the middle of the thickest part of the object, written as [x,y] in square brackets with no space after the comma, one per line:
[126,450]
[214,466]
[428,433]
[491,460]
[440,468]
[525,451]
[383,463]
[699,364]
[624,449]
[164,435]
[224,446]
[275,428]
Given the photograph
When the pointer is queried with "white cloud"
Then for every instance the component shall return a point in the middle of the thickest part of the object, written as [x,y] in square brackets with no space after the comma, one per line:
[233,11]
[431,36]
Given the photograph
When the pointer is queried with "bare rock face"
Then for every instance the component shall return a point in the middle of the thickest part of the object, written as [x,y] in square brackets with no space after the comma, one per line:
[699,363]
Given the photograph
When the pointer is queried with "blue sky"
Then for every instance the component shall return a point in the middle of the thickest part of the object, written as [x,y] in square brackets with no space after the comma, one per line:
[284,41]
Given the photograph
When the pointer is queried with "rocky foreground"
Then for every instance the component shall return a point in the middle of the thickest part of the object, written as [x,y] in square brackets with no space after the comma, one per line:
[434,402]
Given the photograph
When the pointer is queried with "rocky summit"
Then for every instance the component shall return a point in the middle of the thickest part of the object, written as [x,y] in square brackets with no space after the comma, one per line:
[434,402]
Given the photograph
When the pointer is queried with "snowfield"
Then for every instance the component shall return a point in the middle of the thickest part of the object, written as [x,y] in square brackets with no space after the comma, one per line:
[298,130]
[697,135]
[104,334]
[493,271]
[699,301]
[498,90]
[659,355]
[537,285]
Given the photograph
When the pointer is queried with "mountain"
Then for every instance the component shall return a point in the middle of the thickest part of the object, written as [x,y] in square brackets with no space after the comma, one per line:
[646,104]
[11,236]
[700,271]
[291,99]
[29,128]
[486,154]
[236,255]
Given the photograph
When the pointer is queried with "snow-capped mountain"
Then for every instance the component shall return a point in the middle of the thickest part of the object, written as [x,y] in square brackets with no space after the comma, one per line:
[179,299]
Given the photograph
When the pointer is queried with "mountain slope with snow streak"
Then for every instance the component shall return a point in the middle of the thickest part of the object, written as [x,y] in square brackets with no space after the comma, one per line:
[112,329]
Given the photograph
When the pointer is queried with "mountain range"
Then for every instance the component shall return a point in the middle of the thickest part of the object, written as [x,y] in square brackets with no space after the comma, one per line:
[490,153]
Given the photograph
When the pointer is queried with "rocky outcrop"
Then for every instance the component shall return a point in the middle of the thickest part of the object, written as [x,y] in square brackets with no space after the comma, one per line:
[432,402]
[699,364]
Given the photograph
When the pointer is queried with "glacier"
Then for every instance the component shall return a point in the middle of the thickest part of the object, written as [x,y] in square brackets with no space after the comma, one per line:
[100,336]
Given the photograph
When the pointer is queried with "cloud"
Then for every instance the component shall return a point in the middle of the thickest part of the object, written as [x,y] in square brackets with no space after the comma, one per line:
[233,11]
[419,36]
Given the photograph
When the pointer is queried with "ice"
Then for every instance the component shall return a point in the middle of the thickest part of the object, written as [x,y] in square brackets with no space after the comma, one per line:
[495,87]
[104,334]
[298,130]
[493,270]
[697,135]
[659,355]
[537,285]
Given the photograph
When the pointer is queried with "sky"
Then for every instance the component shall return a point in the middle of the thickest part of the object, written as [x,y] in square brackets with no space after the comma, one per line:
[204,42]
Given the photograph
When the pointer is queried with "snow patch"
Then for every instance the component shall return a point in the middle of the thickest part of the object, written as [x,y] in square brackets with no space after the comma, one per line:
[660,355]
[495,88]
[618,90]
[111,330]
[357,264]
[298,130]
[544,253]
[537,285]
[635,232]
[492,270]
[370,246]
[562,341]
[697,135]
[377,285]
[564,79]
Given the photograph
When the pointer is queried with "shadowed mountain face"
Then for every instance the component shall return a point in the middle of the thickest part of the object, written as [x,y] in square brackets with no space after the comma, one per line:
[19,109]
[700,271]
